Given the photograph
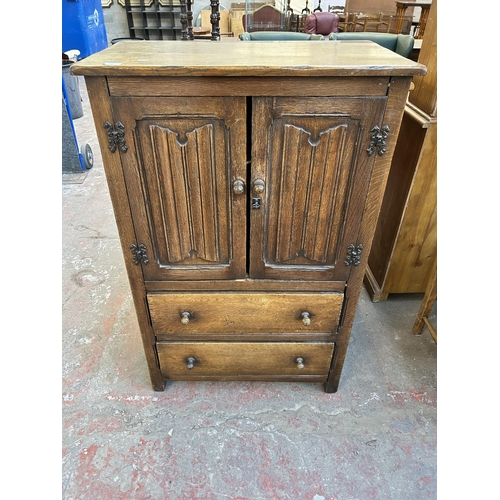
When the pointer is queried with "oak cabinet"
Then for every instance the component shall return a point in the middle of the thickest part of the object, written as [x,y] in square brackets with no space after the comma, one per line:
[246,195]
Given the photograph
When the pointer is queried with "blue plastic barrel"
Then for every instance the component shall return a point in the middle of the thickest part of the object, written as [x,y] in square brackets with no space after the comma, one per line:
[83,27]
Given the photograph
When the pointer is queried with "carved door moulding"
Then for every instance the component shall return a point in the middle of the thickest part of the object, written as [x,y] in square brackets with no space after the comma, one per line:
[106,3]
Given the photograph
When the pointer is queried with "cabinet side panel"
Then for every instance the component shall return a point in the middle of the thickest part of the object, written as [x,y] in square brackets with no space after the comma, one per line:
[415,251]
[424,95]
[102,112]
[392,118]
[400,178]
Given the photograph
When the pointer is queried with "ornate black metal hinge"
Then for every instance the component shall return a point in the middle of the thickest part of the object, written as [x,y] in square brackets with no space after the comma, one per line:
[116,136]
[353,255]
[139,253]
[379,138]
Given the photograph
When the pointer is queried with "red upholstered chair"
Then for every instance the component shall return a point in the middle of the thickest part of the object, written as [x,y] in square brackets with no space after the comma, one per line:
[321,23]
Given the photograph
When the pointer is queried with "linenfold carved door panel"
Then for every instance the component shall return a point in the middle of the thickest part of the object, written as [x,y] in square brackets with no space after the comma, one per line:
[185,156]
[309,155]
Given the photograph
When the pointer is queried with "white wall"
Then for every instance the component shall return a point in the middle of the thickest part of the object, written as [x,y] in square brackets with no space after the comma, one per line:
[115,19]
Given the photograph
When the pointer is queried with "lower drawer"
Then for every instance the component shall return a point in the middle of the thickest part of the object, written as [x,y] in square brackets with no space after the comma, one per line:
[245,360]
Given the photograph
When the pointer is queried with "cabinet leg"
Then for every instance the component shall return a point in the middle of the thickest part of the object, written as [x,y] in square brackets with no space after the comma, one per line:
[332,382]
[159,387]
[373,288]
[331,385]
[155,374]
[430,297]
[379,297]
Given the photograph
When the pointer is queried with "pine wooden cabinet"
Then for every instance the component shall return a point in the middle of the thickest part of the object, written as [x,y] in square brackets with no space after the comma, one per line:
[403,253]
[246,179]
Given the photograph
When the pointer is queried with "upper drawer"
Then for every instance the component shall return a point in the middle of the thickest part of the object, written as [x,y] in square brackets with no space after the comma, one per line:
[257,313]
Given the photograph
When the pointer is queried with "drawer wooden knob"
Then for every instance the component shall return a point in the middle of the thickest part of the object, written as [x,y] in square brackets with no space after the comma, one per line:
[185,317]
[306,319]
[300,363]
[238,187]
[258,186]
[190,363]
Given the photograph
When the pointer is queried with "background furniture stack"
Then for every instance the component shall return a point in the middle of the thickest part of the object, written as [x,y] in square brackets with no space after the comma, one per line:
[405,242]
[171,19]
[154,19]
[376,16]
[400,15]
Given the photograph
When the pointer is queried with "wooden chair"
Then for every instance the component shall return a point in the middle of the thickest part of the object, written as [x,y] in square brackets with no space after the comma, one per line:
[347,22]
[371,22]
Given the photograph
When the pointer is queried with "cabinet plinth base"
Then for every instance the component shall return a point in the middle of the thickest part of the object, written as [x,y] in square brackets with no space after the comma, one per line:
[373,288]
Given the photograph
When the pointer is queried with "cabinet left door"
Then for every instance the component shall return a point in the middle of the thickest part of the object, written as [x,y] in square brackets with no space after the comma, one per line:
[184,168]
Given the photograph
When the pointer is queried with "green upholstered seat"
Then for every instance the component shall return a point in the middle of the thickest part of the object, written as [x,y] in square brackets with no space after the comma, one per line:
[278,35]
[401,44]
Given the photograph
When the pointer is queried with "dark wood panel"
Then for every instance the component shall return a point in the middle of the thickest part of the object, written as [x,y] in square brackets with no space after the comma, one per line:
[179,176]
[316,168]
[246,285]
[238,86]
[186,170]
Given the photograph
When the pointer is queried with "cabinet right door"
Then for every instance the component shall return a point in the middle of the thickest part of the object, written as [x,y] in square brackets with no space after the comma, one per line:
[310,171]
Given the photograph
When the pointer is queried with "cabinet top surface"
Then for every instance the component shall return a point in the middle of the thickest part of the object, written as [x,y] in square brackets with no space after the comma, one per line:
[266,58]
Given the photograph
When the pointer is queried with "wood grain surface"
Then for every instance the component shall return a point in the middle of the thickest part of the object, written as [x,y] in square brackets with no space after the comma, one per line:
[237,359]
[269,58]
[244,312]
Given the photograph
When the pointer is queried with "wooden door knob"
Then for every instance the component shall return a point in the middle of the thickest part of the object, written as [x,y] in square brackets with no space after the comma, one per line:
[238,187]
[300,363]
[258,186]
[190,362]
[306,318]
[185,317]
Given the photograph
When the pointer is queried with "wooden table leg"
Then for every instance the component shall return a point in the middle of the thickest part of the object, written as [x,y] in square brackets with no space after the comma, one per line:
[430,297]
[400,14]
[420,30]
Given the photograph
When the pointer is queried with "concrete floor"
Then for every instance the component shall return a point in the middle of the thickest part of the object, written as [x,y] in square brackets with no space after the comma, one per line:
[374,439]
